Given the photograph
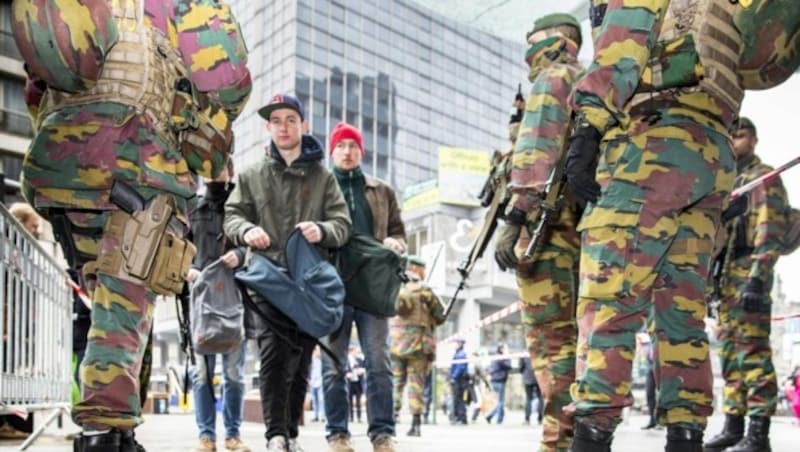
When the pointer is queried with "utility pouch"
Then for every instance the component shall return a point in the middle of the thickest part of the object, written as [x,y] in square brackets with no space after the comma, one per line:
[673,64]
[172,261]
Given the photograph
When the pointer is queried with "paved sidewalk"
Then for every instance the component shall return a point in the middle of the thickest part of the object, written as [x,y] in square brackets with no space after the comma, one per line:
[177,432]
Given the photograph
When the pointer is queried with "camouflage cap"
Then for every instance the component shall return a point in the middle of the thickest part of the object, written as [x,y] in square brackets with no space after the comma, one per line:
[554,20]
[413,259]
[744,123]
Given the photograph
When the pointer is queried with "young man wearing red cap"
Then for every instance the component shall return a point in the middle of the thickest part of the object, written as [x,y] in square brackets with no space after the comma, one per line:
[286,190]
[374,211]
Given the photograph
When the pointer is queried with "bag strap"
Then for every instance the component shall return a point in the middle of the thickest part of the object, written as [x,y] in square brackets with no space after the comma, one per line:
[276,327]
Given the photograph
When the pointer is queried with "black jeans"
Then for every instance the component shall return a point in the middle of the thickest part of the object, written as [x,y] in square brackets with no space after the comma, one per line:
[650,389]
[285,356]
[532,391]
[356,391]
[459,388]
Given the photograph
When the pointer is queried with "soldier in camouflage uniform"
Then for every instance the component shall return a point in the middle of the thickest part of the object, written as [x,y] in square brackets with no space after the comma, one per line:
[548,282]
[141,94]
[747,263]
[413,347]
[654,107]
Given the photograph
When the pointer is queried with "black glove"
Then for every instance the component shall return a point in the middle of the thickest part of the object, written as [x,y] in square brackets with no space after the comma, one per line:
[753,297]
[736,208]
[581,163]
[504,247]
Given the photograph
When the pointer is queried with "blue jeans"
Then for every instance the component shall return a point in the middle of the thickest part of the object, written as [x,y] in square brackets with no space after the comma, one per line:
[318,402]
[205,412]
[373,335]
[499,387]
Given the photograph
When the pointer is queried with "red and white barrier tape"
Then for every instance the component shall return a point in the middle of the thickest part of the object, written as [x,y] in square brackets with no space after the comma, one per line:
[778,318]
[505,312]
[80,292]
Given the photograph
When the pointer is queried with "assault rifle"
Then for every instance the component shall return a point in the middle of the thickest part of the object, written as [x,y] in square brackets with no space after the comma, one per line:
[495,196]
[552,198]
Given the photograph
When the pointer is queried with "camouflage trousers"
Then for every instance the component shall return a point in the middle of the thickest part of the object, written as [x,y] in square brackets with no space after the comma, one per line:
[645,254]
[122,316]
[548,288]
[751,386]
[411,370]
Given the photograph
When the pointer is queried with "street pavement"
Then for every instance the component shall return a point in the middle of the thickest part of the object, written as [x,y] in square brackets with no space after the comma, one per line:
[177,432]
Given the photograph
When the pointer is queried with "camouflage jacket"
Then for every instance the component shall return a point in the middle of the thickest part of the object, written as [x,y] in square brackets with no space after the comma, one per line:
[756,235]
[627,41]
[630,58]
[79,150]
[419,311]
[544,123]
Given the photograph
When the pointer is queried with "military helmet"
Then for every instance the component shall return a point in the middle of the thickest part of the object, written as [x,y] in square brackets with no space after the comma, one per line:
[73,61]
[556,20]
[744,123]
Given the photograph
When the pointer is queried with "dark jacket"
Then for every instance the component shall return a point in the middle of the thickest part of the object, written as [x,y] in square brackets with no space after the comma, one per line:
[499,370]
[277,197]
[526,369]
[459,370]
[206,224]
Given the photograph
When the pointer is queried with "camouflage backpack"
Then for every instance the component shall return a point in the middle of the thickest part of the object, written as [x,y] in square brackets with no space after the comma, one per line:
[791,239]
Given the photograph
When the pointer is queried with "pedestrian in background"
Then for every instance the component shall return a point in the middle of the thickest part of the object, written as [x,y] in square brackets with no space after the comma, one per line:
[532,391]
[317,392]
[498,373]
[208,237]
[459,382]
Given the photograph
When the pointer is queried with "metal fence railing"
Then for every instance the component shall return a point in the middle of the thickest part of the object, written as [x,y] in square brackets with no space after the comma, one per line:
[36,326]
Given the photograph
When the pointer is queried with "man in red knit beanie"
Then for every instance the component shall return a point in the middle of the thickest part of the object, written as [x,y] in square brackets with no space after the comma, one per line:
[344,131]
[374,212]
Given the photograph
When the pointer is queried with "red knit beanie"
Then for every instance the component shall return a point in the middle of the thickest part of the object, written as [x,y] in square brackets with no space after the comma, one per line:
[343,131]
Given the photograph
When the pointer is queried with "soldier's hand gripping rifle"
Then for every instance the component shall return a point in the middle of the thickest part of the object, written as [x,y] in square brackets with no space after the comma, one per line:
[552,198]
[495,196]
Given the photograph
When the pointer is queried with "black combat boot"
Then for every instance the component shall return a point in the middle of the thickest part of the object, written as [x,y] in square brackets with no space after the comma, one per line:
[591,439]
[757,439]
[682,439]
[105,442]
[414,431]
[731,433]
[129,443]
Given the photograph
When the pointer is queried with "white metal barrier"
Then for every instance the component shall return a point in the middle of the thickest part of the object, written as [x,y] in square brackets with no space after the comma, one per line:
[36,326]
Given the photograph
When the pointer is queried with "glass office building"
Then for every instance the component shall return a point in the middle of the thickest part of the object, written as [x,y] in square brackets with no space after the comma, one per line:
[411,79]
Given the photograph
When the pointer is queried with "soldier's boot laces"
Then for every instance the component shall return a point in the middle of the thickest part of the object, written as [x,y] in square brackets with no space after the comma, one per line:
[591,439]
[111,441]
[732,432]
[757,439]
[415,430]
[682,439]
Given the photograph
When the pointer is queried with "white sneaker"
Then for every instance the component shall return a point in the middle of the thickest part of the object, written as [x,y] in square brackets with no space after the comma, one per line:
[294,446]
[277,444]
[340,443]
